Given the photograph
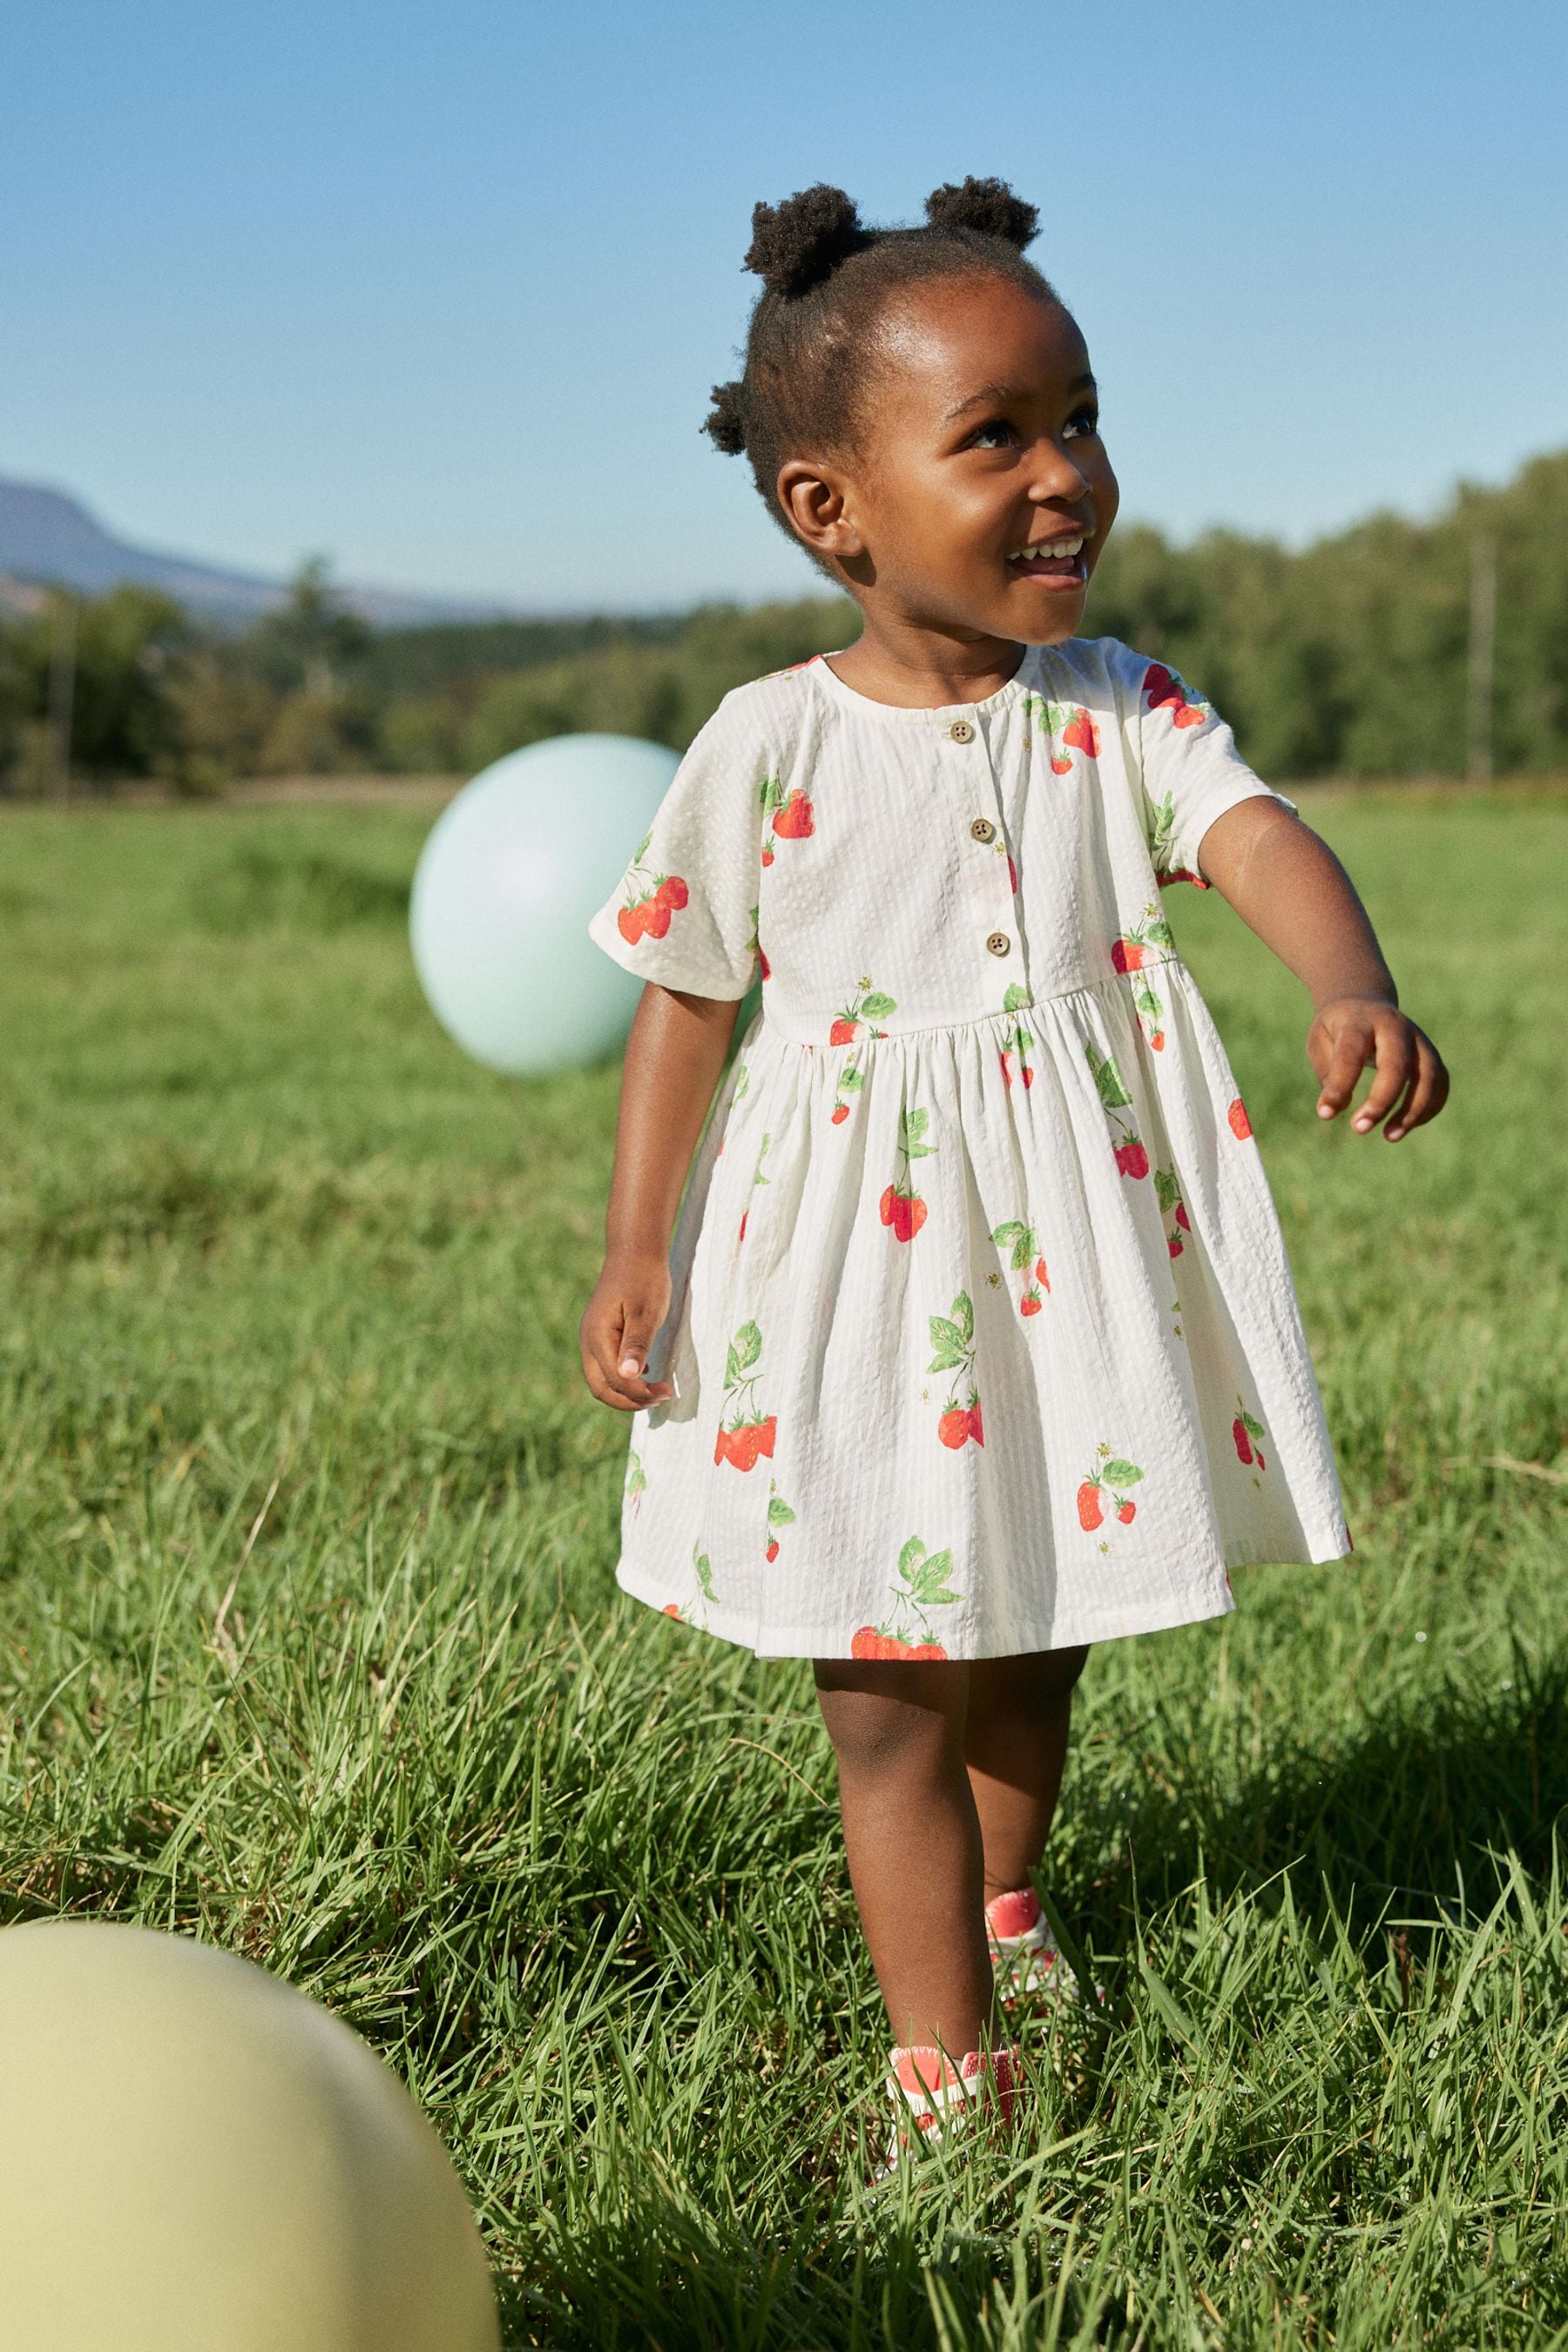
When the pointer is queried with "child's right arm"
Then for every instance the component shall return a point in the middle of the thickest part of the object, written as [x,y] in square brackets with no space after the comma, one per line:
[674,1058]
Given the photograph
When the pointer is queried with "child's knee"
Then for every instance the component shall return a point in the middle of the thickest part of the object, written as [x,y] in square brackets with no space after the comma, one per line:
[890,1719]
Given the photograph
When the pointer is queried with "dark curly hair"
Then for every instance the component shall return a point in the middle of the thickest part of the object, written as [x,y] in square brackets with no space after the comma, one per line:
[825,279]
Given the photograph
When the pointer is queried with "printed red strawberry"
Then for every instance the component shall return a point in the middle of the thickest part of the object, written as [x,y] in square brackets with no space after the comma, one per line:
[1126,955]
[1174,1244]
[840,1113]
[671,1610]
[1131,1159]
[796,819]
[1080,734]
[767,852]
[953,1350]
[1240,1125]
[672,893]
[1247,1433]
[1166,692]
[766,967]
[1181,1217]
[1012,877]
[1031,1302]
[1158,1041]
[1060,767]
[1006,1071]
[1041,1277]
[902,1207]
[632,921]
[656,917]
[749,1434]
[867,1005]
[1109,1480]
[921,1584]
[779,1516]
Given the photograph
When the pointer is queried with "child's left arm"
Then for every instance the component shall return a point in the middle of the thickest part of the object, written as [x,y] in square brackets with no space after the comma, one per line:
[1288,886]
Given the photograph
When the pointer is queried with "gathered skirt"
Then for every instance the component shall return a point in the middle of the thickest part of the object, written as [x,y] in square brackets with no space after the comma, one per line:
[983,1340]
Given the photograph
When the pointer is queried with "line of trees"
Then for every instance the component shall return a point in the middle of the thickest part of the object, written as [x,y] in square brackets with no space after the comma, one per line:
[1358,656]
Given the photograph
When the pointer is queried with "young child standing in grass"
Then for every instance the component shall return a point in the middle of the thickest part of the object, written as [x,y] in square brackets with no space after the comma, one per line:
[977,1343]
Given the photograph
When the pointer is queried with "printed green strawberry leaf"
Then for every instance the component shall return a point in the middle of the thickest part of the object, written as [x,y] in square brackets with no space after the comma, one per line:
[912,1551]
[963,1314]
[1253,1428]
[704,1573]
[849,1079]
[1159,933]
[1167,1191]
[641,850]
[748,1346]
[1144,998]
[1113,1095]
[1018,996]
[779,1512]
[949,1343]
[927,1585]
[1164,826]
[636,1476]
[877,1007]
[1117,1473]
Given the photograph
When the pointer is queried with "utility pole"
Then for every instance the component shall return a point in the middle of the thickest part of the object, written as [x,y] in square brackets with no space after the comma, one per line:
[1483,634]
[62,696]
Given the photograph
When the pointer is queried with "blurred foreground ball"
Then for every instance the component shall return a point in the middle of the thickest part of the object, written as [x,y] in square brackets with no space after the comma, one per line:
[503,891]
[193,2157]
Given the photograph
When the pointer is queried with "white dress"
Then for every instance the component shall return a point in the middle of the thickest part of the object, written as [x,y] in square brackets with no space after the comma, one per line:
[981,1335]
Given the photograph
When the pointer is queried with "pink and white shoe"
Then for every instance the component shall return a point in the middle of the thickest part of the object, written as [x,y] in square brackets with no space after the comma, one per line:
[1028,1965]
[934,2100]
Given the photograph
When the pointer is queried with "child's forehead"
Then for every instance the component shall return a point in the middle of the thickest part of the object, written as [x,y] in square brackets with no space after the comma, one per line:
[950,339]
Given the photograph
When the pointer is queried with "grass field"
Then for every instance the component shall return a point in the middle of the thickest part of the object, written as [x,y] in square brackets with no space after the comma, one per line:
[308,1644]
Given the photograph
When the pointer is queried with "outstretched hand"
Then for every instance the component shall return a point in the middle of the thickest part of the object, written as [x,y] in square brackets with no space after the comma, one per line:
[1410,1084]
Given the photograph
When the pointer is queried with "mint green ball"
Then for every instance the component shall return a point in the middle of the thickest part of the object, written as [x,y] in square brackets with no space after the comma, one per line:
[503,890]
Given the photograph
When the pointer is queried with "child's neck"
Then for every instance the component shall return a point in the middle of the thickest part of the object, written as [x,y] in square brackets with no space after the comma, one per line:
[917,667]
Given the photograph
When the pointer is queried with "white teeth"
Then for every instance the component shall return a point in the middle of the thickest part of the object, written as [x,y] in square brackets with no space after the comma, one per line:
[1065,548]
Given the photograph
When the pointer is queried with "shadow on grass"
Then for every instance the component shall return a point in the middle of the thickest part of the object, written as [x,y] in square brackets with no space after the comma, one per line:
[1393,1820]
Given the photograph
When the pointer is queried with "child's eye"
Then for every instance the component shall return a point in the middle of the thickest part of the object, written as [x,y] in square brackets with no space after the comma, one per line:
[1082,421]
[992,424]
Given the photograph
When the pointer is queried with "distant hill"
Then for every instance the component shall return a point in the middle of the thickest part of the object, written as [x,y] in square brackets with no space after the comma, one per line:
[48,537]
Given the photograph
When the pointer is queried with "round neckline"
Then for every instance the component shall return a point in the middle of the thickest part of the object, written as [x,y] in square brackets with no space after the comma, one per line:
[924,714]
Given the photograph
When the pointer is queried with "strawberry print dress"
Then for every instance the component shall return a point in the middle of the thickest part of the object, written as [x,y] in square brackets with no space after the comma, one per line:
[982,1337]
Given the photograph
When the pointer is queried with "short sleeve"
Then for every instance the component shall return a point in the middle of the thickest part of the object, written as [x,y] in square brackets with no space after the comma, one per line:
[684,913]
[1190,771]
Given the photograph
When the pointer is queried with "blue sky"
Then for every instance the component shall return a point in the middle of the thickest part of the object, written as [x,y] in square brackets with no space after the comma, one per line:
[440,289]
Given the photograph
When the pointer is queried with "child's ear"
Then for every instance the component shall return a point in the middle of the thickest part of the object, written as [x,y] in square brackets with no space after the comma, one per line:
[815,498]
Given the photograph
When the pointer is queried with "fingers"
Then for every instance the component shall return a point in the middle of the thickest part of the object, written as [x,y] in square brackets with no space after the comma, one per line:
[1393,1050]
[615,1359]
[1353,1047]
[1427,1093]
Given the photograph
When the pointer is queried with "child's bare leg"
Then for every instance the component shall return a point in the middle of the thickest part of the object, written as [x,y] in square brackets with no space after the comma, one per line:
[912,1838]
[1016,1743]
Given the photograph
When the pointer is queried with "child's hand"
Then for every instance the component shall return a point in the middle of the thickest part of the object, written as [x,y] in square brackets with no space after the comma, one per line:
[631,1301]
[1411,1085]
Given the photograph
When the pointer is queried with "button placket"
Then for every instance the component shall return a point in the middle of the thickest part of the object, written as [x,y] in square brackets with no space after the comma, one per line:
[986,832]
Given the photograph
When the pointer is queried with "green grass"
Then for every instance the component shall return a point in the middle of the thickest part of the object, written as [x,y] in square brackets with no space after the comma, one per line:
[308,1644]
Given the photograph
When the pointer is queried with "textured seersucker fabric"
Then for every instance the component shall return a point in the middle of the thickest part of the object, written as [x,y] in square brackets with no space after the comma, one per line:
[983,1335]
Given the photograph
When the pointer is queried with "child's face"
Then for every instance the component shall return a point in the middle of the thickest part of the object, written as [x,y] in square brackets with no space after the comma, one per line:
[982,440]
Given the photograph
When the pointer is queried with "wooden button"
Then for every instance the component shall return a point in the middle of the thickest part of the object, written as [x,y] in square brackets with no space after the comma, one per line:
[983,829]
[999,944]
[962,731]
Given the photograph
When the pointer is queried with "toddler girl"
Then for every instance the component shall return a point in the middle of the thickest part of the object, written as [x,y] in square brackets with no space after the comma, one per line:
[977,1343]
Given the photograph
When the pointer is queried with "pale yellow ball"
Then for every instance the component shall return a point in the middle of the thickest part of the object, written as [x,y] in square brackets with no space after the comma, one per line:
[193,2157]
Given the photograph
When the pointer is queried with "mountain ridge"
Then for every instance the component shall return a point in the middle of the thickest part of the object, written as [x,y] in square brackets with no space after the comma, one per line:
[50,538]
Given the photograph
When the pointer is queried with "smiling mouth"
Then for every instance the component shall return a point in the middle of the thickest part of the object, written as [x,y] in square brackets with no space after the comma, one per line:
[1058,560]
